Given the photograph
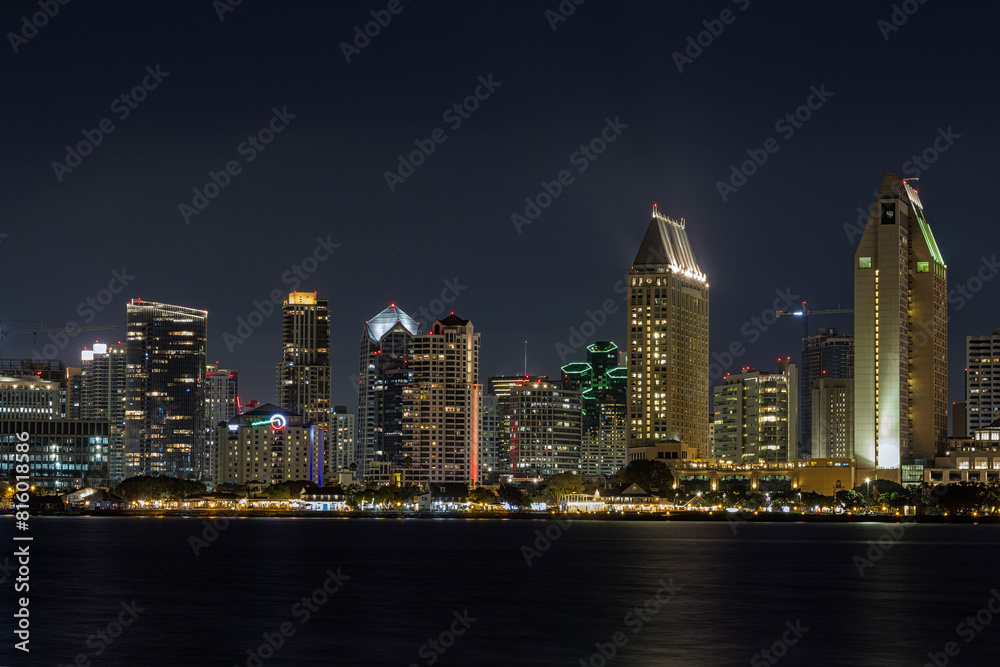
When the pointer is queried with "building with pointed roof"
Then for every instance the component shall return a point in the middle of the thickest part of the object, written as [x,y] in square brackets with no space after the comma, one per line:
[900,335]
[383,375]
[668,361]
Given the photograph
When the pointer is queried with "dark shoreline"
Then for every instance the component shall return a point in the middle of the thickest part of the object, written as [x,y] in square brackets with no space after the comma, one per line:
[746,517]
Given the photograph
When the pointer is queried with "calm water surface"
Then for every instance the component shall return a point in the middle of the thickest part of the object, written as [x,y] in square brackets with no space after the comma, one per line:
[404,581]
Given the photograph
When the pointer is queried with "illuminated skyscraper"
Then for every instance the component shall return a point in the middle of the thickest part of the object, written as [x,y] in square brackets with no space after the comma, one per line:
[165,395]
[103,388]
[900,334]
[221,390]
[545,429]
[602,383]
[825,355]
[303,376]
[756,416]
[382,377]
[441,404]
[668,361]
[982,381]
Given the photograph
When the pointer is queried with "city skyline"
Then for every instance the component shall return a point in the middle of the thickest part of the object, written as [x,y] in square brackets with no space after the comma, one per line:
[313,208]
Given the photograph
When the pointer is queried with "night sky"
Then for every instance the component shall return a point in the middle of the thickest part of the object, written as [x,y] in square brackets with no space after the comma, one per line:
[887,94]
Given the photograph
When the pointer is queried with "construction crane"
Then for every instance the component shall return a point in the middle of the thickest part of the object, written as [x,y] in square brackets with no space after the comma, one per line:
[805,313]
[63,329]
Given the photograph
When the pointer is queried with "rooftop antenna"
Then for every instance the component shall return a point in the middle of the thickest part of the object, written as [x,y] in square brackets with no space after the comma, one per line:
[525,358]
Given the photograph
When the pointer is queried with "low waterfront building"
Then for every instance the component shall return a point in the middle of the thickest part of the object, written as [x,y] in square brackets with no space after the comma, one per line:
[268,446]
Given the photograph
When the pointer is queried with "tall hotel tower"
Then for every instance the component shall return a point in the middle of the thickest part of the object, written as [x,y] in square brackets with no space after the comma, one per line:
[668,360]
[165,393]
[382,376]
[303,376]
[900,334]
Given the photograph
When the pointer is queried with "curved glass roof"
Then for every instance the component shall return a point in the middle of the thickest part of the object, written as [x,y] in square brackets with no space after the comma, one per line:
[382,323]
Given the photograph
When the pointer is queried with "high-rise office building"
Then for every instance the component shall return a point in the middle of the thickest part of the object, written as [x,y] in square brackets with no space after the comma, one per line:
[982,381]
[441,404]
[490,454]
[668,361]
[602,384]
[500,386]
[340,448]
[221,391]
[900,334]
[545,429]
[103,388]
[64,454]
[29,398]
[824,355]
[833,418]
[383,376]
[756,416]
[303,375]
[165,394]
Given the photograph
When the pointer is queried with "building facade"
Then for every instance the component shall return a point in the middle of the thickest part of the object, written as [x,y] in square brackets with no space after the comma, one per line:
[602,384]
[103,388]
[546,429]
[268,445]
[982,381]
[221,403]
[165,392]
[383,376]
[62,454]
[833,418]
[29,398]
[340,447]
[825,355]
[441,405]
[303,375]
[668,362]
[900,334]
[756,416]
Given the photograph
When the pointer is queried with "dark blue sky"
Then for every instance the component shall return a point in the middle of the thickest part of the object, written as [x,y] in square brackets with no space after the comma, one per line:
[450,221]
